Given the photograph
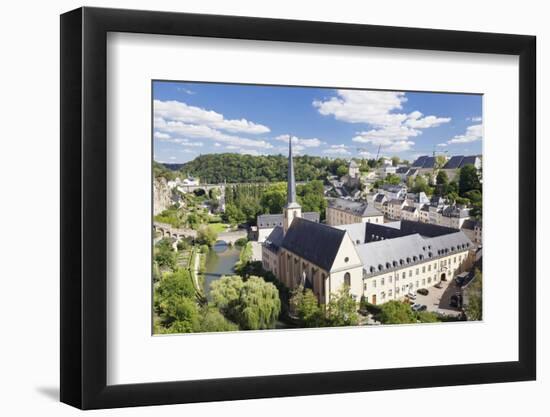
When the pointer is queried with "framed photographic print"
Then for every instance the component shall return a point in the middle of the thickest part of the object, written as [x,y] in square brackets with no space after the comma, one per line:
[259,208]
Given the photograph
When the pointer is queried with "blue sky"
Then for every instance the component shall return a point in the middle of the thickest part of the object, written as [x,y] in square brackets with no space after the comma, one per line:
[199,118]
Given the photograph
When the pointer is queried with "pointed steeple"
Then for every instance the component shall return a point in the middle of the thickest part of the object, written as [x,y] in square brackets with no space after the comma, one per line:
[292,208]
[291,181]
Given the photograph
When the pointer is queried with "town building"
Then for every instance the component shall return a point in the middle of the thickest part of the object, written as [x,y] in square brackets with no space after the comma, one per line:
[424,165]
[453,165]
[341,211]
[394,208]
[393,192]
[379,200]
[472,229]
[375,261]
[267,222]
[410,213]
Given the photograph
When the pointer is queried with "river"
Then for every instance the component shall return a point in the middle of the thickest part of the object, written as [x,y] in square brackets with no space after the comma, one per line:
[220,261]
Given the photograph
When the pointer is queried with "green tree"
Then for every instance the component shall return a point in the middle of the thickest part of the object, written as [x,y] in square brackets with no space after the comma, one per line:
[274,198]
[468,179]
[177,284]
[440,161]
[393,179]
[395,160]
[427,317]
[421,185]
[207,236]
[165,257]
[311,197]
[396,312]
[233,214]
[342,170]
[442,178]
[474,293]
[225,292]
[306,307]
[214,321]
[474,196]
[342,309]
[254,304]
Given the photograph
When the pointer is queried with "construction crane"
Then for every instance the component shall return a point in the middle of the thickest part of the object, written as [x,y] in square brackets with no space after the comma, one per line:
[434,152]
[377,153]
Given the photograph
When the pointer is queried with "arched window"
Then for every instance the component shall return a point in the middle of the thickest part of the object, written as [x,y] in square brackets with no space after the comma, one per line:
[347,279]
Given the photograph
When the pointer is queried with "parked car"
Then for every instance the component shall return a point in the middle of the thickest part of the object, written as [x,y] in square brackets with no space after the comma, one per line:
[438,285]
[422,291]
[411,296]
[456,300]
[460,279]
[419,307]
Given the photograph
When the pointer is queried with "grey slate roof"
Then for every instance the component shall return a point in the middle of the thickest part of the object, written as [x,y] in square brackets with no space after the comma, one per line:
[419,161]
[356,231]
[392,188]
[454,162]
[267,221]
[275,238]
[357,208]
[395,202]
[429,162]
[315,242]
[470,224]
[402,170]
[454,211]
[386,255]
[412,209]
[379,198]
[459,161]
[468,160]
[412,172]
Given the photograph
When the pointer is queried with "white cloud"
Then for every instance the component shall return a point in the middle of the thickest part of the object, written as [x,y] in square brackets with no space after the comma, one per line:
[441,145]
[196,131]
[473,133]
[252,152]
[178,111]
[416,121]
[161,136]
[474,119]
[186,91]
[391,129]
[217,145]
[366,154]
[373,107]
[172,158]
[337,150]
[301,142]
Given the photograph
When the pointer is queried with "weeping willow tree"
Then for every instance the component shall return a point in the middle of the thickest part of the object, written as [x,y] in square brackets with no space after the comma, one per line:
[253,304]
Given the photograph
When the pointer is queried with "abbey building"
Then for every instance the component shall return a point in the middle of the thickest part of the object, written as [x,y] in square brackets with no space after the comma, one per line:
[380,262]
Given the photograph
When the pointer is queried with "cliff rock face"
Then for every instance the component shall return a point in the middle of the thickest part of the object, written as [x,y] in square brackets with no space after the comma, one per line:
[161,195]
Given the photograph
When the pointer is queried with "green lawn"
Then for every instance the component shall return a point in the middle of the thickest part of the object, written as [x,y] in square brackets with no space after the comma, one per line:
[218,227]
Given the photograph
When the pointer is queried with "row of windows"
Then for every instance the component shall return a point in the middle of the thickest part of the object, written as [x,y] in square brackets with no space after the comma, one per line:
[417,284]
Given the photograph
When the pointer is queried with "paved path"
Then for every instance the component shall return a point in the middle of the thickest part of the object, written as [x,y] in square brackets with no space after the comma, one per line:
[438,299]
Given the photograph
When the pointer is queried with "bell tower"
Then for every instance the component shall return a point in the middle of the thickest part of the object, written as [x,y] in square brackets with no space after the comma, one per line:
[292,208]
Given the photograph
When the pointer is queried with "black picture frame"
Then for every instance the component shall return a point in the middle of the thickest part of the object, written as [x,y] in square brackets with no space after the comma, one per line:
[84,207]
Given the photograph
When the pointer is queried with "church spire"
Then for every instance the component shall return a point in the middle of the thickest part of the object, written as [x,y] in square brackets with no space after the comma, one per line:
[291,181]
[292,208]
